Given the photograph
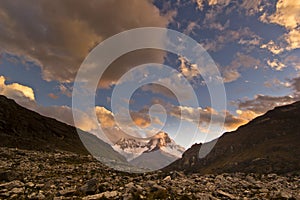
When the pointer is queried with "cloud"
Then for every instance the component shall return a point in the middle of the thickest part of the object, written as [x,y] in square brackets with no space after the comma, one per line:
[253,41]
[287,15]
[57,35]
[243,36]
[272,47]
[211,19]
[293,61]
[252,7]
[174,84]
[231,73]
[65,90]
[276,64]
[22,94]
[52,96]
[277,83]
[190,28]
[200,3]
[143,120]
[262,103]
[105,117]
[158,89]
[218,2]
[295,84]
[207,115]
[189,70]
[293,38]
[247,115]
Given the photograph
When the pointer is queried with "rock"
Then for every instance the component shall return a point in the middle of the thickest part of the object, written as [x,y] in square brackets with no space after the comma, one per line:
[90,187]
[168,178]
[285,195]
[32,196]
[71,180]
[41,196]
[5,194]
[139,188]
[250,179]
[263,190]
[30,184]
[225,194]
[57,198]
[156,187]
[202,196]
[130,186]
[39,186]
[17,190]
[176,174]
[150,183]
[104,194]
[12,184]
[67,192]
[272,176]
[7,175]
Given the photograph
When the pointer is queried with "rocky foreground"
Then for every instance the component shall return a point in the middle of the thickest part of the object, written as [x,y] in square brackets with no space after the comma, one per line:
[62,175]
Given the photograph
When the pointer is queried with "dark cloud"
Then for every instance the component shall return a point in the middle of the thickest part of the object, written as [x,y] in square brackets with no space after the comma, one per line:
[296,84]
[57,35]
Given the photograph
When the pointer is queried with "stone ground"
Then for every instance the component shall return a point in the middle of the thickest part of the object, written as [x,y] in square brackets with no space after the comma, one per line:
[61,175]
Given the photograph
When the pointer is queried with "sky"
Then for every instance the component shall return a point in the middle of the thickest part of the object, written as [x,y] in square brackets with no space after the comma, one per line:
[254,44]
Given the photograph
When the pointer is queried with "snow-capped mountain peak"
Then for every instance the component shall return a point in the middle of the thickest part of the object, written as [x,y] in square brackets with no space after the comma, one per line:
[131,148]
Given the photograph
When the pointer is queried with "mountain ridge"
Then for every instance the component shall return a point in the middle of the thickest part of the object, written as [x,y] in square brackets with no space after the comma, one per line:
[268,143]
[25,129]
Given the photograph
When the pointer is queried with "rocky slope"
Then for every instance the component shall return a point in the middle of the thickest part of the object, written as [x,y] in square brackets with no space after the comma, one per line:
[269,143]
[58,175]
[25,129]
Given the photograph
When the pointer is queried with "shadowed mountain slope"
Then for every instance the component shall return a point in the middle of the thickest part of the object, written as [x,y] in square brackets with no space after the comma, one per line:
[269,143]
[25,129]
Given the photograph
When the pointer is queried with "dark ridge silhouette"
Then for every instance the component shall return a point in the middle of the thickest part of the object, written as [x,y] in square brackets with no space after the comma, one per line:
[268,144]
[25,129]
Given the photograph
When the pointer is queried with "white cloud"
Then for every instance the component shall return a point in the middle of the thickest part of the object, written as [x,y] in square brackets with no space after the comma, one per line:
[277,83]
[230,75]
[252,7]
[276,64]
[190,71]
[293,39]
[23,95]
[272,47]
[287,15]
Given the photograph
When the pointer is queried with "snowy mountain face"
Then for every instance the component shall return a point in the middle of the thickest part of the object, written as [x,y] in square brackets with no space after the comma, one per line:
[131,148]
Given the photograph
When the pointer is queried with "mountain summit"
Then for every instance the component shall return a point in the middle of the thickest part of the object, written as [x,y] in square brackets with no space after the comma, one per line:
[160,149]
